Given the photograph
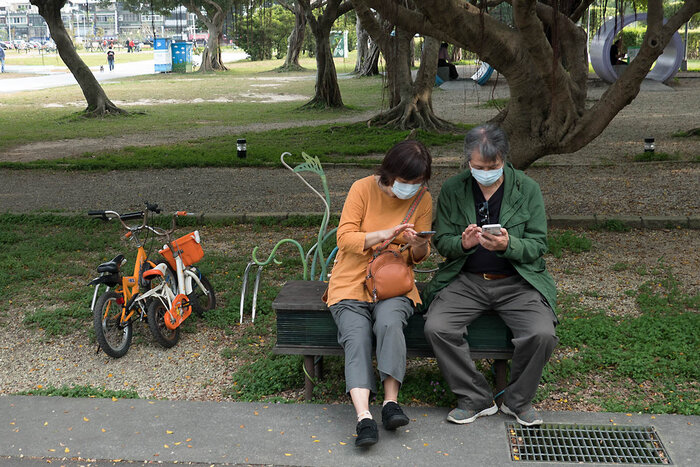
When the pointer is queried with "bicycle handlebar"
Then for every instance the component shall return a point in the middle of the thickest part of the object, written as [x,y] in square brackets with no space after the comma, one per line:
[107,215]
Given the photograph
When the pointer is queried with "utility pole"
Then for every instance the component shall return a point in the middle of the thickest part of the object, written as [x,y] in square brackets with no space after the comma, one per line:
[153,25]
[87,17]
[684,63]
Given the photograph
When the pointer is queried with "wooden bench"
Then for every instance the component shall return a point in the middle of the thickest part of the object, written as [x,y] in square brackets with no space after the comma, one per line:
[305,327]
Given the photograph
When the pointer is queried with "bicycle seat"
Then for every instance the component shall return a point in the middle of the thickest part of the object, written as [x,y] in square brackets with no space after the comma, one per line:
[111,266]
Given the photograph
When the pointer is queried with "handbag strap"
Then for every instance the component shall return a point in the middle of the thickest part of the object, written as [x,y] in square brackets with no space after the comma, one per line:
[410,212]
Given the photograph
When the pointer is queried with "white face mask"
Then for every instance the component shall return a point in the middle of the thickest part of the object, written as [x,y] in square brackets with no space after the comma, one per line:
[405,190]
[486,177]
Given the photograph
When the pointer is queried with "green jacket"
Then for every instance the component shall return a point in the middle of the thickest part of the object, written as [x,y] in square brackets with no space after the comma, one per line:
[522,214]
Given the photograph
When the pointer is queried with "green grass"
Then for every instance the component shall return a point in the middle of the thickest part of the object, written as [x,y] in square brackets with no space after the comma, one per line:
[652,358]
[81,391]
[654,156]
[91,59]
[267,376]
[173,103]
[694,132]
[646,361]
[612,225]
[694,65]
[567,240]
[498,103]
[264,148]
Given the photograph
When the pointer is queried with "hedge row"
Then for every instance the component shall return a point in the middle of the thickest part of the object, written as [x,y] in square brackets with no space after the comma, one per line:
[633,37]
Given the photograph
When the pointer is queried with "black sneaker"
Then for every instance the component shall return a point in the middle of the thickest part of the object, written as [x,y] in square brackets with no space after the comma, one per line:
[393,417]
[367,433]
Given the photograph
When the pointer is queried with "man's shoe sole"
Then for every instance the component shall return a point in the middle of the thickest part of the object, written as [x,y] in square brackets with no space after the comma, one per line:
[507,411]
[490,411]
[395,422]
[363,443]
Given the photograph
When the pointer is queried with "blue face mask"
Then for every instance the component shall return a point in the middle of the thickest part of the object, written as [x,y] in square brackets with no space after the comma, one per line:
[405,190]
[487,177]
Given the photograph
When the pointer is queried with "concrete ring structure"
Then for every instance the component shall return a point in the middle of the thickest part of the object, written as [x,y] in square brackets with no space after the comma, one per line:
[666,65]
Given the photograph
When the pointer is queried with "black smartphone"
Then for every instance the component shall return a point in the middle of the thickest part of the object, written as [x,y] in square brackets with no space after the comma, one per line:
[426,233]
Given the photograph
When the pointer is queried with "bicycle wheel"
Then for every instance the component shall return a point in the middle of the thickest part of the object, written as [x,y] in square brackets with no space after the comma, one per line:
[113,336]
[201,301]
[156,322]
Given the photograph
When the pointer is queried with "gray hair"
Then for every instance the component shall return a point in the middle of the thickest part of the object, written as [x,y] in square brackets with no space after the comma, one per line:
[491,142]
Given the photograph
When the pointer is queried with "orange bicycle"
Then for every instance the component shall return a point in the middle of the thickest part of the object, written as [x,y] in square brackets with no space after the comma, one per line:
[164,293]
[115,310]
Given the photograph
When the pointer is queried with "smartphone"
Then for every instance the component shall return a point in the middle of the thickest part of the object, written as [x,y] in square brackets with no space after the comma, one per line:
[426,233]
[493,229]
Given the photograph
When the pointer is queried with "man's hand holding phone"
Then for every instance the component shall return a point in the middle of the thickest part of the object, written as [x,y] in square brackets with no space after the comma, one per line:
[493,229]
[493,237]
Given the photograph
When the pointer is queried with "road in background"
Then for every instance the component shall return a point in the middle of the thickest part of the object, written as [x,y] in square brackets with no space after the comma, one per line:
[63,78]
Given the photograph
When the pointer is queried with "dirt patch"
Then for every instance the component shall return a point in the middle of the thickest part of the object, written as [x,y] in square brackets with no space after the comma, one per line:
[247,97]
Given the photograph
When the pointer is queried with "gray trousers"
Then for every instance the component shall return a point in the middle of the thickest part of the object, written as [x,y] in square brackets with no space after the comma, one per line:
[522,308]
[357,323]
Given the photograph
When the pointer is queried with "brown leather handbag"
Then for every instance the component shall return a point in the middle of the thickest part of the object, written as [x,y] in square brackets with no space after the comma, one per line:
[388,273]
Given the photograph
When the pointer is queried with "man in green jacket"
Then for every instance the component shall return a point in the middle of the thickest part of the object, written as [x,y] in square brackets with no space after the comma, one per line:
[502,271]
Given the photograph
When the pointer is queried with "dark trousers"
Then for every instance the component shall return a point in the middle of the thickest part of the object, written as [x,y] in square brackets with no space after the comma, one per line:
[524,311]
[453,69]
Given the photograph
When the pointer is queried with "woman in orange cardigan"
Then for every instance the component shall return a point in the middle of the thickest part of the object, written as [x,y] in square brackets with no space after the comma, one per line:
[373,213]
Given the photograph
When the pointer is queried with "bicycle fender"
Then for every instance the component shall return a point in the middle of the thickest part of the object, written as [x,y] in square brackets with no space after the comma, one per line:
[156,271]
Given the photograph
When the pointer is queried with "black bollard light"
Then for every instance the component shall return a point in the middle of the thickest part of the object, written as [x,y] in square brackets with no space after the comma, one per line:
[242,148]
[649,145]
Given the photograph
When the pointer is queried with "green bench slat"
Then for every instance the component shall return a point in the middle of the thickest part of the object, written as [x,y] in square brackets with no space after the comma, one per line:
[303,320]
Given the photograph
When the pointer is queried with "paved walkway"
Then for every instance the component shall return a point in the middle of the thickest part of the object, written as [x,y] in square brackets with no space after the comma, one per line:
[55,78]
[277,434]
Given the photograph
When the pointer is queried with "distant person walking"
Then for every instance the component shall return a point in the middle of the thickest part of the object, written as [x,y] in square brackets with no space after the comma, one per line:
[110,58]
[2,60]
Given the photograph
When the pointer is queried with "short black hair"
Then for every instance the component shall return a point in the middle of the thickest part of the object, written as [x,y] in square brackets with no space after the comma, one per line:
[408,159]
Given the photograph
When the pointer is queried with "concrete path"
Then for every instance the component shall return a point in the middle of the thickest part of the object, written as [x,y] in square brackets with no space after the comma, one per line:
[277,434]
[56,79]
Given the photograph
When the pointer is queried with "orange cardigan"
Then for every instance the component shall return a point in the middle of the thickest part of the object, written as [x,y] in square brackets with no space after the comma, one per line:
[368,209]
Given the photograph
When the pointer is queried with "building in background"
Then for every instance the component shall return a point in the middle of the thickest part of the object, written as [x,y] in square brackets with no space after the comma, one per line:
[93,20]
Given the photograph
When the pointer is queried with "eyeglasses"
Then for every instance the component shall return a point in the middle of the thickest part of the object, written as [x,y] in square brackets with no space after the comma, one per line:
[482,211]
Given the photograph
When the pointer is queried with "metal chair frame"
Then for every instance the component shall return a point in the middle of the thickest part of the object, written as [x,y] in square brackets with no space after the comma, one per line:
[314,254]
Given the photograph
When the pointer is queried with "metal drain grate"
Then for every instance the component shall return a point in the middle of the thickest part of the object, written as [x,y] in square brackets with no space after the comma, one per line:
[586,443]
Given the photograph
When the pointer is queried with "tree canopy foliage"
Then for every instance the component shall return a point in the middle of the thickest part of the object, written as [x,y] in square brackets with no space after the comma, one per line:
[543,57]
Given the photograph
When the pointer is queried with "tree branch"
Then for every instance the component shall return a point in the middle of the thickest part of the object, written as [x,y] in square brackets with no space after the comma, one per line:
[578,12]
[371,25]
[412,19]
[534,38]
[198,13]
[286,5]
[344,8]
